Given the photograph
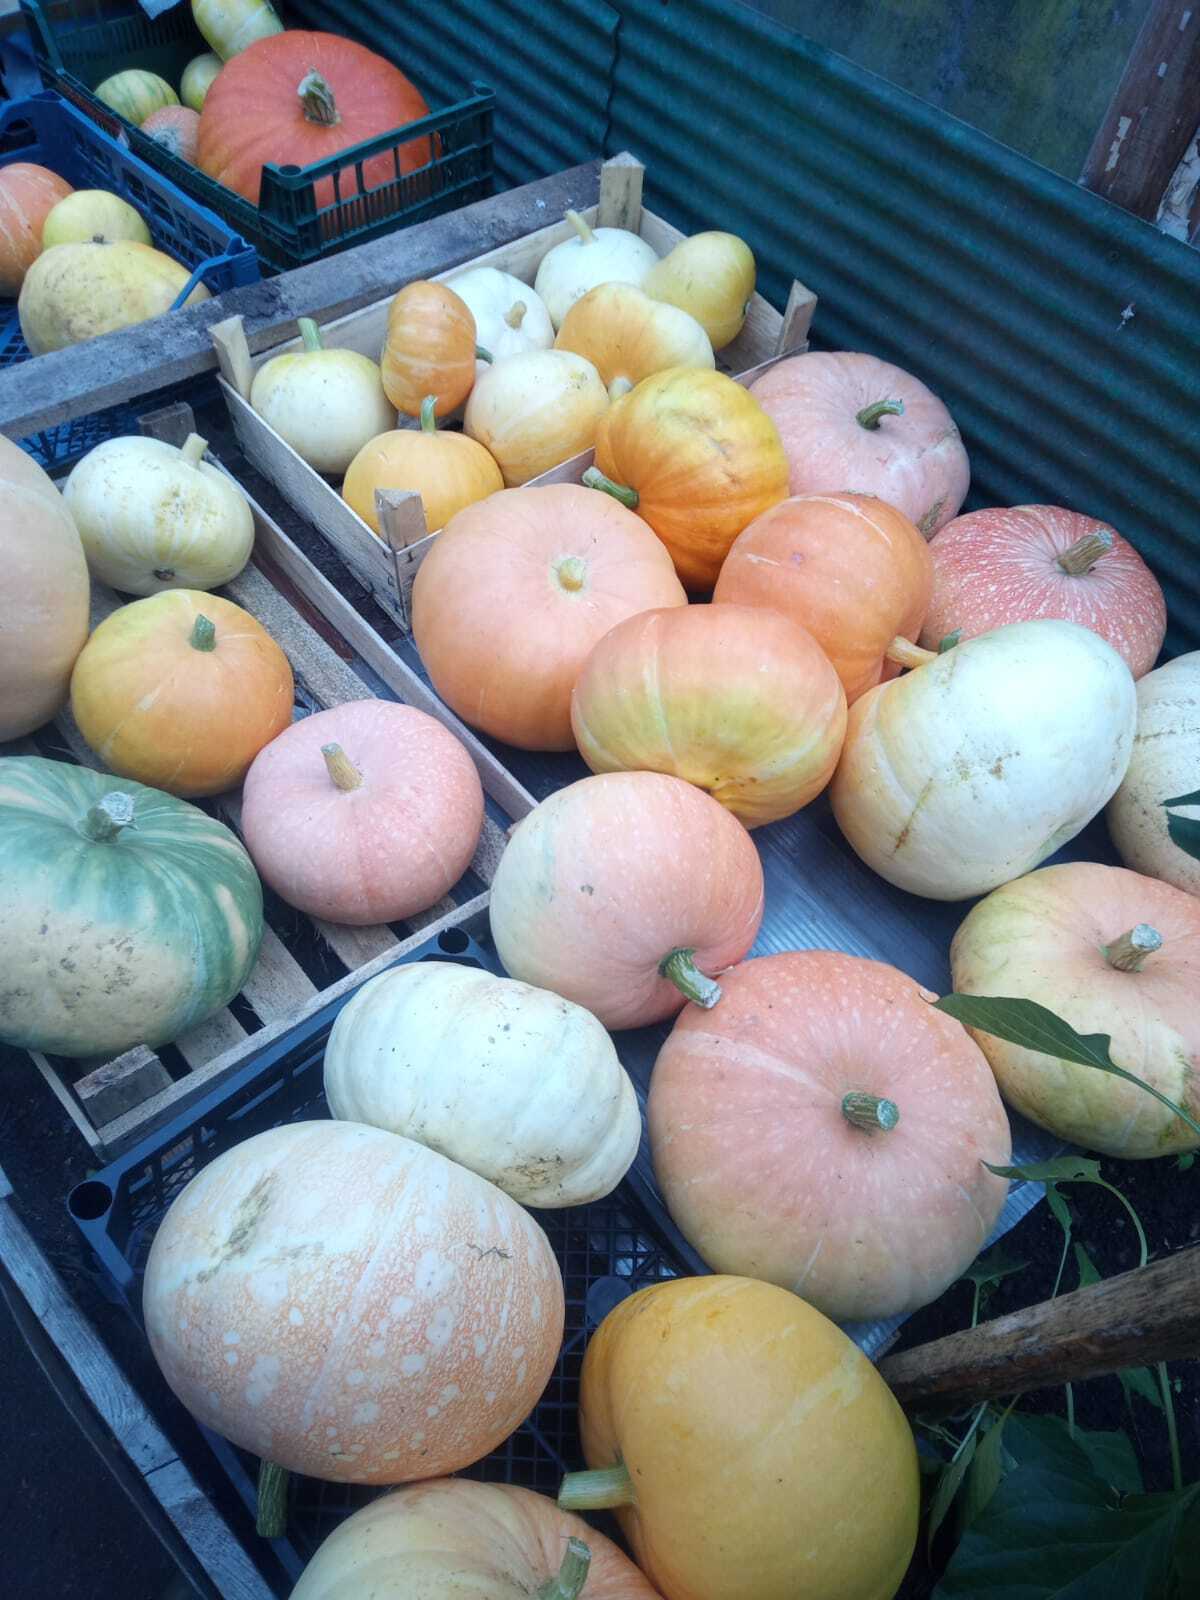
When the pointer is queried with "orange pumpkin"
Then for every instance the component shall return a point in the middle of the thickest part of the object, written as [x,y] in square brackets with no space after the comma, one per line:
[181,691]
[429,349]
[448,470]
[516,590]
[852,570]
[295,98]
[28,194]
[177,129]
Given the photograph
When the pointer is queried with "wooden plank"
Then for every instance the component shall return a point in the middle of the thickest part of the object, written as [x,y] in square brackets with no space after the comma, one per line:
[121,1084]
[67,1100]
[797,320]
[621,182]
[277,987]
[355,947]
[233,355]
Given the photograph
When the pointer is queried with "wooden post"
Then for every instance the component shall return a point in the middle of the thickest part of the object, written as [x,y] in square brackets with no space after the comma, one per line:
[797,319]
[402,522]
[233,354]
[621,181]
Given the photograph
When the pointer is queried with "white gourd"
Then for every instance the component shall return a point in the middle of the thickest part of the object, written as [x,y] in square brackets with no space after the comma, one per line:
[510,317]
[594,256]
[229,26]
[533,411]
[326,404]
[1165,765]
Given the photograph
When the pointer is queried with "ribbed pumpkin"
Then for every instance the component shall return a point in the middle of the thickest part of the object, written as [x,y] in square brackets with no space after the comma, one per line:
[429,349]
[177,129]
[1165,765]
[134,94]
[627,336]
[448,470]
[28,194]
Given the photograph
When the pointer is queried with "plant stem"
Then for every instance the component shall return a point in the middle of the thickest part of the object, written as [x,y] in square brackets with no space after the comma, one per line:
[270,1521]
[582,228]
[904,653]
[1143,1248]
[870,416]
[679,968]
[515,315]
[203,635]
[193,449]
[869,1112]
[310,333]
[1070,1409]
[1164,1384]
[570,1578]
[317,99]
[429,414]
[105,821]
[595,479]
[599,1490]
[571,573]
[484,355]
[341,769]
[1128,952]
[1080,557]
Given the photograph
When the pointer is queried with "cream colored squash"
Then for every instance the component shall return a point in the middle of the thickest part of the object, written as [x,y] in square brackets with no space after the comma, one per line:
[229,26]
[326,403]
[79,291]
[533,411]
[198,78]
[1165,764]
[153,516]
[594,256]
[627,336]
[516,1083]
[135,94]
[711,275]
[510,317]
[93,214]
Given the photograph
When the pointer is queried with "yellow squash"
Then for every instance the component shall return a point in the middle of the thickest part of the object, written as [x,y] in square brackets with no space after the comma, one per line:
[627,336]
[710,275]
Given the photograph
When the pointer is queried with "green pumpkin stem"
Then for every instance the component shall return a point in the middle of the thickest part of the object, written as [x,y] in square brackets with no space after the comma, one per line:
[316,96]
[203,635]
[593,478]
[310,333]
[568,1581]
[108,818]
[341,769]
[870,416]
[429,414]
[679,968]
[270,1521]
[193,449]
[1128,952]
[571,573]
[1079,558]
[484,355]
[599,1490]
[869,1112]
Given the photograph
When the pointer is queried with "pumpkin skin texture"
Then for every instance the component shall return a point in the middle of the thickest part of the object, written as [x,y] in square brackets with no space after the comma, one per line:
[710,275]
[134,94]
[327,404]
[850,569]
[361,1281]
[75,292]
[914,461]
[737,700]
[794,1473]
[510,318]
[453,1539]
[703,458]
[530,412]
[606,878]
[627,336]
[514,593]
[197,80]
[188,717]
[44,580]
[112,942]
[448,470]
[387,846]
[1165,763]
[255,112]
[1053,937]
[177,129]
[429,349]
[515,1083]
[93,214]
[972,769]
[594,256]
[739,1091]
[28,194]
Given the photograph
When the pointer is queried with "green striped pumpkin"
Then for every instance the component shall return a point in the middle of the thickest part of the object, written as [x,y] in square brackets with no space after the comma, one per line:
[134,94]
[126,916]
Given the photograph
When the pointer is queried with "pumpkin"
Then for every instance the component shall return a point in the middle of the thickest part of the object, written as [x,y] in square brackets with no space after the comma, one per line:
[296,98]
[515,1083]
[230,25]
[352,1305]
[448,470]
[751,1450]
[510,317]
[532,411]
[28,193]
[978,764]
[694,454]
[516,590]
[96,215]
[327,404]
[79,291]
[127,917]
[176,129]
[153,516]
[993,567]
[1112,952]
[891,1101]
[451,1537]
[429,349]
[741,702]
[591,256]
[850,421]
[1164,766]
[44,581]
[365,813]
[181,689]
[135,93]
[850,569]
[710,276]
[627,336]
[197,80]
[626,893]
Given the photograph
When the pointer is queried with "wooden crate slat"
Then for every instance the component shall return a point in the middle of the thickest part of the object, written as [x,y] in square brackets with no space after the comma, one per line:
[356,946]
[121,1084]
[278,984]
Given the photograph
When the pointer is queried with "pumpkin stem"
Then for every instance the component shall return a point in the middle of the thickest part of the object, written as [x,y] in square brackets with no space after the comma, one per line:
[429,414]
[582,228]
[870,416]
[203,635]
[107,819]
[270,1521]
[869,1112]
[595,479]
[904,653]
[679,968]
[484,355]
[948,641]
[310,333]
[341,769]
[571,572]
[193,449]
[515,315]
[1128,952]
[317,98]
[599,1490]
[570,1578]
[1080,557]
[618,387]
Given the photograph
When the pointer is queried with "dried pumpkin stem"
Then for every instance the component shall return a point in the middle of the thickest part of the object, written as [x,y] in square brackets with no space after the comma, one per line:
[1128,952]
[341,769]
[582,228]
[310,333]
[515,315]
[203,635]
[570,1578]
[680,969]
[193,449]
[593,478]
[317,99]
[1079,558]
[105,821]
[870,416]
[429,414]
[869,1112]
[599,1490]
[270,1520]
[904,653]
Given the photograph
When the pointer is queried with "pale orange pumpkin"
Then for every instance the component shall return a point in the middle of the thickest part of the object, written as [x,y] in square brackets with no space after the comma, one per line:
[176,128]
[448,470]
[517,589]
[429,349]
[851,569]
[28,194]
[627,336]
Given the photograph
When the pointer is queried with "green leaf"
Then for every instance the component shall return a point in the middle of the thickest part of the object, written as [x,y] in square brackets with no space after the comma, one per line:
[1113,1459]
[948,643]
[948,1486]
[1185,832]
[1192,799]
[1087,1267]
[1063,1169]
[992,1267]
[991,1462]
[1141,1381]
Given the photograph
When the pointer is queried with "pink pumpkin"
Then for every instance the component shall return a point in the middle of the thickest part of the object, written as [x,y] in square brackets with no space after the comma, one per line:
[1018,564]
[852,422]
[366,813]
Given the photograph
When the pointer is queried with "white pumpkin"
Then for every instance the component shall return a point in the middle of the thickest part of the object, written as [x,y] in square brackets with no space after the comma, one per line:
[510,317]
[326,404]
[515,1083]
[974,767]
[1165,763]
[594,256]
[533,411]
[153,516]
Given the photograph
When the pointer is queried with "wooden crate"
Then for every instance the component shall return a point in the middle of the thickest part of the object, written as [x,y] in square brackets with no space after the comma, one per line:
[113,1103]
[386,566]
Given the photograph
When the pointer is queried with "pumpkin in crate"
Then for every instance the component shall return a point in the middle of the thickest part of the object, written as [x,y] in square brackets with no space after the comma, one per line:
[590,257]
[229,26]
[325,403]
[295,98]
[28,194]
[448,470]
[78,291]
[95,215]
[516,590]
[126,916]
[366,813]
[1165,765]
[176,129]
[627,336]
[711,276]
[136,94]
[429,349]
[533,411]
[627,893]
[510,317]
[197,80]
[351,1305]
[181,690]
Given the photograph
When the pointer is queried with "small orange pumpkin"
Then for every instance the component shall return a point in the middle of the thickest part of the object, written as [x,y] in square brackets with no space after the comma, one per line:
[28,194]
[177,129]
[429,349]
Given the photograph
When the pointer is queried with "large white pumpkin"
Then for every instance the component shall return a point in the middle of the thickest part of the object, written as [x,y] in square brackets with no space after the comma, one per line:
[1165,763]
[594,256]
[510,317]
[516,1083]
[351,1305]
